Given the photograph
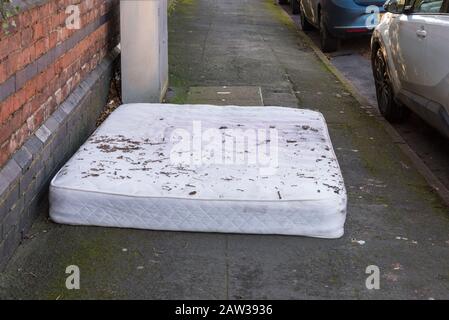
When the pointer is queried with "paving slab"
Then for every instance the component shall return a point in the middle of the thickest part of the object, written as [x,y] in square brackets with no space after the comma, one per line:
[226,95]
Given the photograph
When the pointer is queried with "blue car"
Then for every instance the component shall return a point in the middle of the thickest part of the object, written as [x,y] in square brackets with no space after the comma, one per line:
[337,19]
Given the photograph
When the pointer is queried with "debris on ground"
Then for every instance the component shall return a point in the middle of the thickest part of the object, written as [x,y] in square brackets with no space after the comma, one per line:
[360,242]
[397,266]
[114,98]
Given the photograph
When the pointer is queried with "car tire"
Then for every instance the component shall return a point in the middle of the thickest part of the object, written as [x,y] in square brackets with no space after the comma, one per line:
[329,43]
[295,6]
[305,25]
[388,107]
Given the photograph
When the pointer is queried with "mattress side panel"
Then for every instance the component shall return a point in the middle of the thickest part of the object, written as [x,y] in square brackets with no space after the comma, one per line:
[322,218]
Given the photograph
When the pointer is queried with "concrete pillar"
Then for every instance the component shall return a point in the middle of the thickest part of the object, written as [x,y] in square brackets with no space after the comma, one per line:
[144,50]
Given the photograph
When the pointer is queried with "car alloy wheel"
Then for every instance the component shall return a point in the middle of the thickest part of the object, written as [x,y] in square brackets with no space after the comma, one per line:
[388,107]
[383,89]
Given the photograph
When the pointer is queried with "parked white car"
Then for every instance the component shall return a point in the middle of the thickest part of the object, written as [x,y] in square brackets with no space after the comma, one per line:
[410,59]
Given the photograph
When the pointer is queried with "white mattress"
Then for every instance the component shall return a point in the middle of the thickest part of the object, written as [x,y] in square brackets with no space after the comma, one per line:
[128,174]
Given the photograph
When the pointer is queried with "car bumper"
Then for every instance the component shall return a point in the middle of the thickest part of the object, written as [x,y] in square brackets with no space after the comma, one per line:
[345,19]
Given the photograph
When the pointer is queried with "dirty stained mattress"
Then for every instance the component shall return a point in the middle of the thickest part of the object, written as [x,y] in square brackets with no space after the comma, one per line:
[261,170]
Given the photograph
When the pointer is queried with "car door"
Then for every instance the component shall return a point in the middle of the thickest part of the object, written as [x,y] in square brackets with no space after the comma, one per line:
[434,86]
[445,34]
[408,46]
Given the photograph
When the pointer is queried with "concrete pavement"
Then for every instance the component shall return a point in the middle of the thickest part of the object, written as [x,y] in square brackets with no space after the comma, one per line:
[394,220]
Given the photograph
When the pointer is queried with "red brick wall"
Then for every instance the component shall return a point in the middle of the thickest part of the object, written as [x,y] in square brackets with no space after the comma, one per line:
[44,60]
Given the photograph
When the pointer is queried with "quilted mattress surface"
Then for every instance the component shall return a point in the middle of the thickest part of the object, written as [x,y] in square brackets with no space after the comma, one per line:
[264,170]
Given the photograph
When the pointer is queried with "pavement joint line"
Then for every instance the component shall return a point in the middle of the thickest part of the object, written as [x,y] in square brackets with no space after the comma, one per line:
[261,96]
[433,181]
[291,85]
